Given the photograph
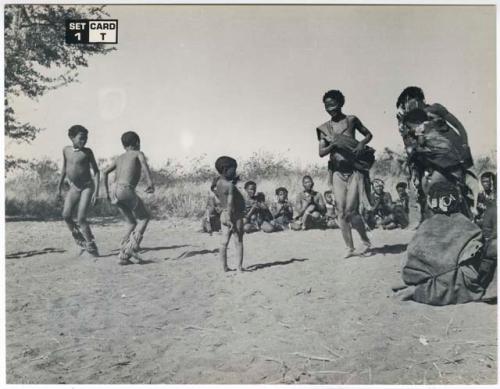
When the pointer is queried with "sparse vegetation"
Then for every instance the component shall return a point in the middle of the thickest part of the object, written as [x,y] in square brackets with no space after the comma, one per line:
[182,191]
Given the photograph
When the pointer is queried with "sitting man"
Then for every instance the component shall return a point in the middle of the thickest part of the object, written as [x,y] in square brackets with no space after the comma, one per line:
[310,207]
[404,200]
[401,207]
[281,210]
[448,261]
[381,215]
[257,214]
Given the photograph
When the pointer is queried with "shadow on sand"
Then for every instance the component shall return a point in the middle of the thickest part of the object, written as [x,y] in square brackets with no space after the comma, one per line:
[258,266]
[143,250]
[160,248]
[188,254]
[389,249]
[26,254]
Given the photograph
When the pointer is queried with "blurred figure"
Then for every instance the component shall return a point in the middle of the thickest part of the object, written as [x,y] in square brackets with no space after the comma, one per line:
[487,196]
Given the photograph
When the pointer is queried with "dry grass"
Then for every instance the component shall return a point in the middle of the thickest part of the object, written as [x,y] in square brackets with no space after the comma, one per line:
[183,191]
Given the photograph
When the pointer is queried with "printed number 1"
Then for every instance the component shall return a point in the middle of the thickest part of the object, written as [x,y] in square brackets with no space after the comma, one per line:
[78,36]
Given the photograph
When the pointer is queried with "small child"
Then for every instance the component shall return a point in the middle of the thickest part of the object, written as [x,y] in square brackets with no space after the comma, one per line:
[78,161]
[281,210]
[211,219]
[233,209]
[331,211]
[128,172]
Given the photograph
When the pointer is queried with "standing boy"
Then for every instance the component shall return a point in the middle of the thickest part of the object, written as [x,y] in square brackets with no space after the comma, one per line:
[78,161]
[233,209]
[128,168]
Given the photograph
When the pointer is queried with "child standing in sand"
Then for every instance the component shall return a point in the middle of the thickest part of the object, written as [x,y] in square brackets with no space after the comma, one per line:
[128,168]
[78,161]
[233,209]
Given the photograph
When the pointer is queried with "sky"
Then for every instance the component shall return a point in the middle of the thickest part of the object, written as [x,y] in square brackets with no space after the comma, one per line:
[234,80]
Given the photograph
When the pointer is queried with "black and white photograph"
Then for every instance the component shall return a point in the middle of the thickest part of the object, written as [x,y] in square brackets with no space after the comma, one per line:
[250,194]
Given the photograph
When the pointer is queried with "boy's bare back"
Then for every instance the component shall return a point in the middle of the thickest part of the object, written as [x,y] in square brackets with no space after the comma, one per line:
[128,168]
[224,188]
[78,164]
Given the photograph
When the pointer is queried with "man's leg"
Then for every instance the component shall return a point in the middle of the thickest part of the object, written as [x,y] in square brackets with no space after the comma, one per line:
[352,205]
[339,190]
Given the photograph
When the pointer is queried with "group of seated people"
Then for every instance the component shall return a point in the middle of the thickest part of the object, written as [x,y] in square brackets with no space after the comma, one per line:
[311,209]
[315,210]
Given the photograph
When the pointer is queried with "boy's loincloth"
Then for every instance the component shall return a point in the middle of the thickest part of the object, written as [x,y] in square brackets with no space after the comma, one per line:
[86,185]
[124,194]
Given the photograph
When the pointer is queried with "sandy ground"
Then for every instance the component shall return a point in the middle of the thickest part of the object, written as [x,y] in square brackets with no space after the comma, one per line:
[302,315]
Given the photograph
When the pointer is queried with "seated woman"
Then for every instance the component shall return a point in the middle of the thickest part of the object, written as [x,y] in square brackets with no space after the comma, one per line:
[447,261]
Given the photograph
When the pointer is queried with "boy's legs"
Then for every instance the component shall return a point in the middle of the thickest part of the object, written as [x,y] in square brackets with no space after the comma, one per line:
[142,216]
[129,217]
[238,242]
[72,198]
[83,208]
[131,222]
[226,236]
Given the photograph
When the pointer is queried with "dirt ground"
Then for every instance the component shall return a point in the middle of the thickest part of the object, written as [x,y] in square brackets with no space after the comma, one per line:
[301,315]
